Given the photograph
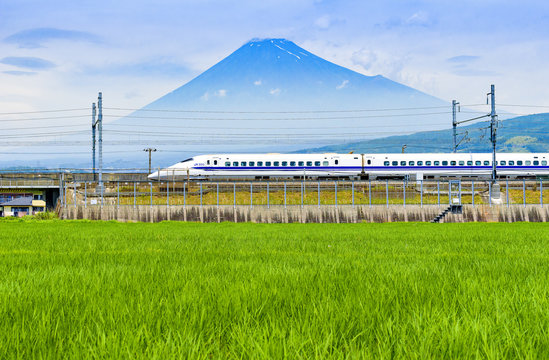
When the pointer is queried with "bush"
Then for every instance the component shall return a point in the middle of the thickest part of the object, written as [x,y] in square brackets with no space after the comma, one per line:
[47,215]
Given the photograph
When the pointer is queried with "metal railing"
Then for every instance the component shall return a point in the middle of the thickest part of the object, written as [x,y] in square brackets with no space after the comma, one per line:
[304,193]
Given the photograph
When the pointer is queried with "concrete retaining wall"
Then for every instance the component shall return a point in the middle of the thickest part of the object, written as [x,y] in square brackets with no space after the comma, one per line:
[307,214]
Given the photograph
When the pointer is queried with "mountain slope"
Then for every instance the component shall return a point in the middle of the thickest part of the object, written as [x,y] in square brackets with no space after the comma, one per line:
[520,134]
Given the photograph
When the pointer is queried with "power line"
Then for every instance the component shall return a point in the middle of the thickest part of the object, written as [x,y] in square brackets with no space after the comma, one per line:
[45,118]
[42,111]
[288,112]
[282,119]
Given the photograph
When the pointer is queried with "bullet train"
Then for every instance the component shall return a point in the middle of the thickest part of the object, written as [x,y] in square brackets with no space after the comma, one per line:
[355,166]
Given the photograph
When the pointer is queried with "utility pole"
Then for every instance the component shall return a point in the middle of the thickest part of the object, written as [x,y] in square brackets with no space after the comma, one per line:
[493,129]
[150,150]
[93,140]
[455,104]
[100,129]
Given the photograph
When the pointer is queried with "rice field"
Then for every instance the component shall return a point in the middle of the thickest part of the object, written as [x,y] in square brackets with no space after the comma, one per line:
[80,289]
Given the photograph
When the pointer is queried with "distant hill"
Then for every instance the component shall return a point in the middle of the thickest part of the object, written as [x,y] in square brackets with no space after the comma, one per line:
[520,134]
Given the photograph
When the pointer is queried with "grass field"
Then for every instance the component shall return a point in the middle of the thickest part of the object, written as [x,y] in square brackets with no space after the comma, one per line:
[184,290]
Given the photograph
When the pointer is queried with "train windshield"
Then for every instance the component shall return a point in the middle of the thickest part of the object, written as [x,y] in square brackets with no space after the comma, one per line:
[189,159]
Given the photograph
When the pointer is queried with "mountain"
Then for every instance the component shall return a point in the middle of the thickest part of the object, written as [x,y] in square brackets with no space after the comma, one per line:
[269,95]
[272,95]
[519,134]
[276,74]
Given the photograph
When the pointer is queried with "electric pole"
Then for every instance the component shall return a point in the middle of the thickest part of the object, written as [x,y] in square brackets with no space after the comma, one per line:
[93,140]
[455,104]
[493,129]
[150,150]
[100,129]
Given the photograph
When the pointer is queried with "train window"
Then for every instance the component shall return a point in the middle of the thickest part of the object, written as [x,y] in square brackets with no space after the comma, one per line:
[461,163]
[276,163]
[242,163]
[469,163]
[453,163]
[260,163]
[284,163]
[301,163]
[519,162]
[235,163]
[208,162]
[251,163]
[215,162]
[444,163]
[385,163]
[478,162]
[267,163]
[292,163]
[309,163]
[369,162]
[420,163]
[544,162]
[428,163]
[511,162]
[317,163]
[395,163]
[325,163]
[503,163]
[337,162]
[527,162]
[403,163]
[227,163]
[411,163]
[437,163]
[486,162]
[536,162]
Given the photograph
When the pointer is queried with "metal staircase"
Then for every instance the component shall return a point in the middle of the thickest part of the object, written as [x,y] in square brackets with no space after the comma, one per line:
[454,209]
[454,195]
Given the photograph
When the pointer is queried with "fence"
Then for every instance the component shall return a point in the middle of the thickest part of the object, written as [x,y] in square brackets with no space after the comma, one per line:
[294,194]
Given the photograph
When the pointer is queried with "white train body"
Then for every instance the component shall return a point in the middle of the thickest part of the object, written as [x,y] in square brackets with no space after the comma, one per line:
[416,166]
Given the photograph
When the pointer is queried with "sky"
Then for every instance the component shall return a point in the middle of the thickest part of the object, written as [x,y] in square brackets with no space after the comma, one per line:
[59,54]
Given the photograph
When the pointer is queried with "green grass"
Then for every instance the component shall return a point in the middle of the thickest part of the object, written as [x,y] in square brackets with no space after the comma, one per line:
[183,290]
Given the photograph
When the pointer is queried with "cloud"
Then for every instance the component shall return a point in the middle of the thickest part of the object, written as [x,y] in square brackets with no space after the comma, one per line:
[323,22]
[475,72]
[19,73]
[327,21]
[221,93]
[418,19]
[32,63]
[274,91]
[364,58]
[463,59]
[159,67]
[35,38]
[342,85]
[257,82]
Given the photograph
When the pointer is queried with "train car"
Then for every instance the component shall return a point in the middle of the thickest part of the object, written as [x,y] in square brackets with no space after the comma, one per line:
[356,166]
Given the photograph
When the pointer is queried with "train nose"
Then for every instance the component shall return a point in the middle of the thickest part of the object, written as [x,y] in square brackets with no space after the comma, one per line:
[153,176]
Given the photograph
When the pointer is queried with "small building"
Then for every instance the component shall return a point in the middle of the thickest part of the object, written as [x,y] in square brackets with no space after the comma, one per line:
[21,206]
